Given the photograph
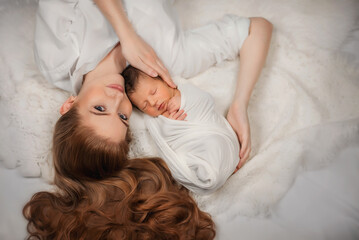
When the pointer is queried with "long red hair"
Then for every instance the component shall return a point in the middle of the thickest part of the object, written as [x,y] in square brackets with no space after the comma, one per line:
[100,194]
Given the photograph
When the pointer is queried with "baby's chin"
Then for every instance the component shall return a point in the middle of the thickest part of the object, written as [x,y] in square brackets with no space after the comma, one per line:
[155,113]
[164,113]
[152,114]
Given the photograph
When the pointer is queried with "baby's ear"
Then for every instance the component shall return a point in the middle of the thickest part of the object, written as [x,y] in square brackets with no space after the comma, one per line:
[66,106]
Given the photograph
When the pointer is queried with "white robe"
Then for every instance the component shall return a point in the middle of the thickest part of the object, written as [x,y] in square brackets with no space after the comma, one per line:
[202,151]
[73,36]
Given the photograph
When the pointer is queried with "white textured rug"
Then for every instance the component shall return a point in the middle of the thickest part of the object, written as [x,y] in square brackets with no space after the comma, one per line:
[304,110]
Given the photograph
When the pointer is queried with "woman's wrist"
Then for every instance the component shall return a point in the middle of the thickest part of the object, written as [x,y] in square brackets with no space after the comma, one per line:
[239,104]
[125,33]
[116,15]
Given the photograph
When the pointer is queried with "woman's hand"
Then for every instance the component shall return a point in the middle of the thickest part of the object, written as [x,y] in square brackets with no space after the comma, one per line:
[238,118]
[136,51]
[141,55]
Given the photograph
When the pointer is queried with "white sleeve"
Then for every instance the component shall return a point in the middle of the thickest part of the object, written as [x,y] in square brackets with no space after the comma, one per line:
[54,50]
[71,38]
[201,48]
[187,53]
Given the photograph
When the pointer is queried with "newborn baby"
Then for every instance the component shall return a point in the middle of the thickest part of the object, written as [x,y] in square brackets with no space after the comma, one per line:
[198,144]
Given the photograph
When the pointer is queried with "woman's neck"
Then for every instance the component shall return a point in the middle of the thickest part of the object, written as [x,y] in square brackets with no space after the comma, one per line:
[114,62]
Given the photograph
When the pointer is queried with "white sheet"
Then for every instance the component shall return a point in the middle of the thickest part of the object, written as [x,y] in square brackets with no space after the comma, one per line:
[202,151]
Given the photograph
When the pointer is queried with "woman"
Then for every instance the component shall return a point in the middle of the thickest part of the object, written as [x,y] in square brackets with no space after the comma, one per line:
[99,193]
[75,45]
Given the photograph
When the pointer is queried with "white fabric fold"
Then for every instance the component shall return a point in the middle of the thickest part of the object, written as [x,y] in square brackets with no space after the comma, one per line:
[202,151]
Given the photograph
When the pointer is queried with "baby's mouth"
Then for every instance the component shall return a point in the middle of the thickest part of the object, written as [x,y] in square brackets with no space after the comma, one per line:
[161,106]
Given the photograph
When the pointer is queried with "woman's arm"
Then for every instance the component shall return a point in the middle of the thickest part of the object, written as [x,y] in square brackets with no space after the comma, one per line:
[252,58]
[136,51]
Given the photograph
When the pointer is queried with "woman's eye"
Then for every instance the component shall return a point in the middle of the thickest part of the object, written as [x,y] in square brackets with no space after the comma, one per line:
[154,92]
[99,108]
[123,116]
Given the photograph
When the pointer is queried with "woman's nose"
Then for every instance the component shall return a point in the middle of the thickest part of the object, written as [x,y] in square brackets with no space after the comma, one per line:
[113,93]
[114,97]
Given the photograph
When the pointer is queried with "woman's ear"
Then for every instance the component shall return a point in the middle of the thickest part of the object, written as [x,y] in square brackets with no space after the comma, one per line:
[66,106]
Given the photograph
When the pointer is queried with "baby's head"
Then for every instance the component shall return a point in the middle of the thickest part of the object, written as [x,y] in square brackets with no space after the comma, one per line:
[150,95]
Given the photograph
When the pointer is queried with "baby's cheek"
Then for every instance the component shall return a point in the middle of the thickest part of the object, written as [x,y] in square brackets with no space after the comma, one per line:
[152,112]
[166,114]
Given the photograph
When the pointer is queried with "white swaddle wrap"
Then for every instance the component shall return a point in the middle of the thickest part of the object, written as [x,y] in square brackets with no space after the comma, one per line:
[202,151]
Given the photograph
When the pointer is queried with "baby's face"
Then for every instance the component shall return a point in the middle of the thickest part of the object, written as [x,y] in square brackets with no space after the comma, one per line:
[151,95]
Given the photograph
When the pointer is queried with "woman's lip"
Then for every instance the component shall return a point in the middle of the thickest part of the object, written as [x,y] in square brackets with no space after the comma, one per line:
[116,86]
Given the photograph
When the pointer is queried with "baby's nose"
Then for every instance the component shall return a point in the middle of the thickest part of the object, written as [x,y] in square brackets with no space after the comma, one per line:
[152,102]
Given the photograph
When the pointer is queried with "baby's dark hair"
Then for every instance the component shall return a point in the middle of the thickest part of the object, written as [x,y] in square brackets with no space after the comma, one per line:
[131,75]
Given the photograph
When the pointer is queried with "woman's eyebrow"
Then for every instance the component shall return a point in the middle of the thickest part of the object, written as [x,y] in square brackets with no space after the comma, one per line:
[99,113]
[105,114]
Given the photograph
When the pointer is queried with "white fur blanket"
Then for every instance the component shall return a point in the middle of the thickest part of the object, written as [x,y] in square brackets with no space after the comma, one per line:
[304,109]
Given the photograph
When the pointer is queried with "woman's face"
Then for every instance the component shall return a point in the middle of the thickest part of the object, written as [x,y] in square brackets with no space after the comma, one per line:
[105,107]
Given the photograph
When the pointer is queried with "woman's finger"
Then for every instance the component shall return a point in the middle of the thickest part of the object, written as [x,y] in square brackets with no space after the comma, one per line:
[146,68]
[240,164]
[246,155]
[159,68]
[160,63]
[163,72]
[243,160]
[244,145]
[165,75]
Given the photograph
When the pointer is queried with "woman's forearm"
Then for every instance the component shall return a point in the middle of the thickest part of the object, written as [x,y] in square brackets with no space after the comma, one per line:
[252,58]
[134,49]
[114,12]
